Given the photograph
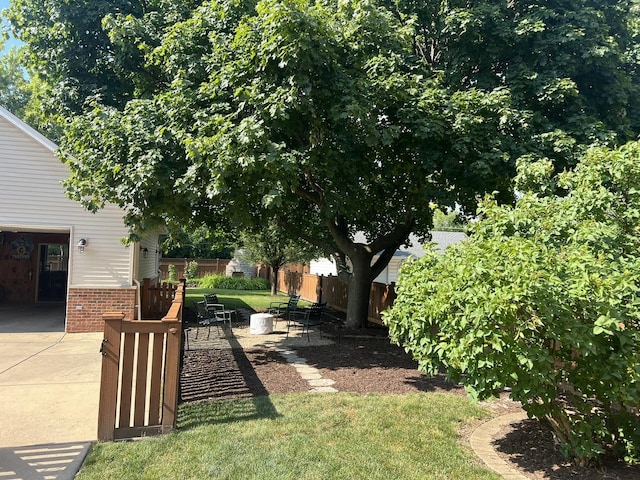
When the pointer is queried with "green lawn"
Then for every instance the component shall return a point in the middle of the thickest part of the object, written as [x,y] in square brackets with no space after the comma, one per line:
[255,299]
[303,436]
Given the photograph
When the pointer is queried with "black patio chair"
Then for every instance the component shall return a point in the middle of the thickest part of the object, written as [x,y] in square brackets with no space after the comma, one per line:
[306,318]
[211,299]
[221,313]
[206,318]
[283,309]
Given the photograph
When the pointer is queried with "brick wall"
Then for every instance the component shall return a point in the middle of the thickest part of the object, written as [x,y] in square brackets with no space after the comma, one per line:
[85,307]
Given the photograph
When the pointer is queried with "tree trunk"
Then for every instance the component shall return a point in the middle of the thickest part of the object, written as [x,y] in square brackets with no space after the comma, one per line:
[274,280]
[359,293]
[361,256]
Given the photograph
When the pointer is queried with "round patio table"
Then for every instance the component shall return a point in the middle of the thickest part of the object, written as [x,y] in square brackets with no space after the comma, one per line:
[260,323]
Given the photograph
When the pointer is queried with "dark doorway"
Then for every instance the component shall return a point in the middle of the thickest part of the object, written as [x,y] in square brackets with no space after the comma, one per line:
[53,266]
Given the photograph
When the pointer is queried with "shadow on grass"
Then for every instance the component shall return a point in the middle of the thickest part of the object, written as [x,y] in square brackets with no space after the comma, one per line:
[233,303]
[192,415]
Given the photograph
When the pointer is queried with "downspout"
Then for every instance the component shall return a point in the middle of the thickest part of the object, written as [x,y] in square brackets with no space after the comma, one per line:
[138,299]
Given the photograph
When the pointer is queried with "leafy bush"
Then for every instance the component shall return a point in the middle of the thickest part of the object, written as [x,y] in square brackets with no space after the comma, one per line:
[543,298]
[233,283]
[171,270]
[191,270]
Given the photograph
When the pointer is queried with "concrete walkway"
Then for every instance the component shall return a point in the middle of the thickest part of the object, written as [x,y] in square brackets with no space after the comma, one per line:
[49,389]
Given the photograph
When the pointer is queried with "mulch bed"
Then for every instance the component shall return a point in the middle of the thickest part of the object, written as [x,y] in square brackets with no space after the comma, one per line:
[365,362]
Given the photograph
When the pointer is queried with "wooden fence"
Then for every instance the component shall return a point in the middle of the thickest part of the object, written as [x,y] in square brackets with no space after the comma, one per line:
[206,266]
[333,291]
[140,374]
[156,298]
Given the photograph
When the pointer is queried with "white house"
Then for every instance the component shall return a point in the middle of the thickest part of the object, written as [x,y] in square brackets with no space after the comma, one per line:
[442,240]
[51,248]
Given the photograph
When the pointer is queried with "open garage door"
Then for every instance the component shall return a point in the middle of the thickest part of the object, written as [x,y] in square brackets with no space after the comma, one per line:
[34,265]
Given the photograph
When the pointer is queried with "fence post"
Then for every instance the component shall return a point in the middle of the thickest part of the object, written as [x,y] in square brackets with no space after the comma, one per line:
[170,397]
[319,288]
[109,375]
[172,372]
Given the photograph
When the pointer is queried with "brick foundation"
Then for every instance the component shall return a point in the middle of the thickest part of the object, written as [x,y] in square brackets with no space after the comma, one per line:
[95,302]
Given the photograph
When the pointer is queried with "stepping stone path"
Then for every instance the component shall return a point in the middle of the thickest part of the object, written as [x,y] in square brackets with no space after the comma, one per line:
[311,374]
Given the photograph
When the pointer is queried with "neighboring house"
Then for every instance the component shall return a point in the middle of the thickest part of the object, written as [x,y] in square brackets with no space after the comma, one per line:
[442,240]
[51,248]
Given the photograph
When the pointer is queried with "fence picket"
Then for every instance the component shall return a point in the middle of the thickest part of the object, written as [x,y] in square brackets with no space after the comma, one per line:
[141,380]
[126,384]
[156,381]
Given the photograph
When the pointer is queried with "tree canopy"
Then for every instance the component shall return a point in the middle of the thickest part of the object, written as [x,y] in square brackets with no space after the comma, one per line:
[273,246]
[543,298]
[13,94]
[335,118]
[199,242]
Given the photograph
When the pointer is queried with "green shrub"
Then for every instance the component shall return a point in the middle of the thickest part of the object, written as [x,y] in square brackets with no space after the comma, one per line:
[544,298]
[171,270]
[191,270]
[233,283]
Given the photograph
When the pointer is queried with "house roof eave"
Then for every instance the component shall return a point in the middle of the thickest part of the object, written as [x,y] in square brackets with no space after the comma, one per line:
[37,136]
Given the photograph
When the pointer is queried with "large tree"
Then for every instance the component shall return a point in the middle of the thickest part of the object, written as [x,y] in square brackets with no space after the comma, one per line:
[344,117]
[13,85]
[319,115]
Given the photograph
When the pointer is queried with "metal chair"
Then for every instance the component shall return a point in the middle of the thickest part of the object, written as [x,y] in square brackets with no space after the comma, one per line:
[206,318]
[211,299]
[283,309]
[220,313]
[308,317]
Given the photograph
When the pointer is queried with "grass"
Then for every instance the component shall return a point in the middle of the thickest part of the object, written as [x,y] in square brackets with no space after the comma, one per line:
[303,437]
[232,299]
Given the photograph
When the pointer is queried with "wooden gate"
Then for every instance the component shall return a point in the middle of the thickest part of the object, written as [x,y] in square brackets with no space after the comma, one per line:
[140,374]
[156,298]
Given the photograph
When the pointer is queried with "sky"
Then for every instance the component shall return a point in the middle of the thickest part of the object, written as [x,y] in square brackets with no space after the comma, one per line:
[4,4]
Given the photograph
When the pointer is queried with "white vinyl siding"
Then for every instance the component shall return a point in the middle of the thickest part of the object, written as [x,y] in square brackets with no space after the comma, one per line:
[150,266]
[325,266]
[32,197]
[390,272]
[322,266]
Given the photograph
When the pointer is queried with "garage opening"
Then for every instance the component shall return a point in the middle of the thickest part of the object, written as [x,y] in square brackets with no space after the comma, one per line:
[34,266]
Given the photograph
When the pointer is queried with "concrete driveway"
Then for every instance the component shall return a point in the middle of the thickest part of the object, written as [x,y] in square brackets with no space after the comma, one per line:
[49,386]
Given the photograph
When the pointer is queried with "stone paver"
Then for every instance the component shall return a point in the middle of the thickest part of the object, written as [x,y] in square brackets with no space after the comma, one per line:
[482,444]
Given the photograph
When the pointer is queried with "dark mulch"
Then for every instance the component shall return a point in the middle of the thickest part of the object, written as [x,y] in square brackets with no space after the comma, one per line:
[363,364]
[530,447]
[364,361]
[221,374]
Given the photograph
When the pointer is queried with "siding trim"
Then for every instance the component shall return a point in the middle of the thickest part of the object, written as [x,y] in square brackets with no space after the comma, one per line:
[38,137]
